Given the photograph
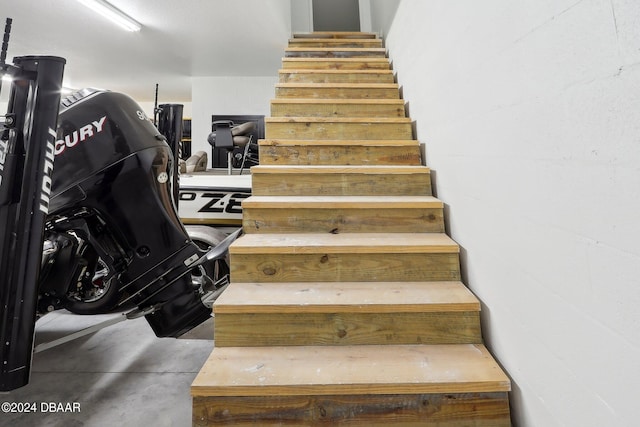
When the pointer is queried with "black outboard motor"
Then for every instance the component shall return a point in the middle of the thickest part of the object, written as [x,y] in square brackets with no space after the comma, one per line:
[112,192]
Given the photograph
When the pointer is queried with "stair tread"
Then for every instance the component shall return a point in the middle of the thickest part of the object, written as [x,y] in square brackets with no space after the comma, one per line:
[336,49]
[333,40]
[359,369]
[332,202]
[359,142]
[336,34]
[330,169]
[339,85]
[353,243]
[339,297]
[354,59]
[365,120]
[361,101]
[354,63]
[314,71]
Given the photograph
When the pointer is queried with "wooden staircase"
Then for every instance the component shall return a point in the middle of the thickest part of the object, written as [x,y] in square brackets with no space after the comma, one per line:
[346,306]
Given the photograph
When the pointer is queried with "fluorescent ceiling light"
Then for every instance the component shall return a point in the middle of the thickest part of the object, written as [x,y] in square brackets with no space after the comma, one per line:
[111,12]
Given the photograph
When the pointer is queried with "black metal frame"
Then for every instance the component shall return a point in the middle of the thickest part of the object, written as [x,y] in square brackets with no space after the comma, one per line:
[27,153]
[171,126]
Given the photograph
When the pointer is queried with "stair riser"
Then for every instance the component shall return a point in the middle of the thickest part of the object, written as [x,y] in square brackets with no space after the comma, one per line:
[339,155]
[318,77]
[327,109]
[376,43]
[338,130]
[335,53]
[382,410]
[341,220]
[283,329]
[328,64]
[337,93]
[344,267]
[336,184]
[356,35]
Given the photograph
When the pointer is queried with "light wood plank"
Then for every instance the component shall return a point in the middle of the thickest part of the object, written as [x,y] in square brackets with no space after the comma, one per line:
[336,35]
[340,202]
[338,128]
[336,76]
[360,243]
[363,107]
[335,52]
[307,328]
[387,170]
[341,152]
[350,370]
[328,120]
[337,142]
[336,63]
[338,90]
[341,180]
[342,214]
[406,410]
[346,297]
[344,267]
[324,42]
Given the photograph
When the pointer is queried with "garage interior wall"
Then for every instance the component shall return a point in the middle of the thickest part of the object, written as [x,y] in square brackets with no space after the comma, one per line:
[530,116]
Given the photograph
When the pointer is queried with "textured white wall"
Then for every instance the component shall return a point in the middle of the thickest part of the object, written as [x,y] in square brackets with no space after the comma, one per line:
[301,16]
[530,112]
[249,95]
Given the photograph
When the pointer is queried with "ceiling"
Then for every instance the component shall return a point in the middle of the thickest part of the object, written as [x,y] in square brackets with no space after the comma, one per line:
[179,40]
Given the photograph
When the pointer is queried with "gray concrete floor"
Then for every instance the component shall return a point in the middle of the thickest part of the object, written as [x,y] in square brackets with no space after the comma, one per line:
[122,375]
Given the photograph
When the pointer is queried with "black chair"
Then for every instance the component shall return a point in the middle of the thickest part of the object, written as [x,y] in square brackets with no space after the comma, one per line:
[229,136]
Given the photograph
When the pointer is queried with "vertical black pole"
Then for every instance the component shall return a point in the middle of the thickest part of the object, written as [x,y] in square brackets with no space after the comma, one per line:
[170,125]
[27,151]
[5,45]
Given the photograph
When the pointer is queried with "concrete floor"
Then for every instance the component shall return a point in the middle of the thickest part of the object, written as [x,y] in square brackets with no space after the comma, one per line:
[122,375]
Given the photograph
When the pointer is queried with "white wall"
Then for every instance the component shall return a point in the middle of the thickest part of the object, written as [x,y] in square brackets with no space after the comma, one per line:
[301,16]
[246,95]
[530,112]
[365,15]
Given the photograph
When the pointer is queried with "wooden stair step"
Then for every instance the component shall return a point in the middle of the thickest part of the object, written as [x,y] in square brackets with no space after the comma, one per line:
[339,152]
[427,385]
[361,243]
[335,35]
[340,180]
[336,63]
[334,42]
[335,52]
[326,257]
[341,297]
[338,128]
[336,76]
[384,369]
[342,214]
[338,90]
[353,313]
[337,108]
